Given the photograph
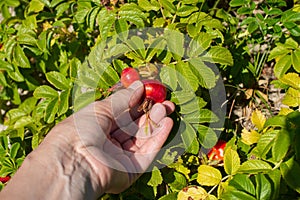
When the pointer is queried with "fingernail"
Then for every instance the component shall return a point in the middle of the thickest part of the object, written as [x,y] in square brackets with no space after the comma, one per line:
[135,85]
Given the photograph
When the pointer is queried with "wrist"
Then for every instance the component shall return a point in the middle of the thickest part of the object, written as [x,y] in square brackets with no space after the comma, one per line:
[53,171]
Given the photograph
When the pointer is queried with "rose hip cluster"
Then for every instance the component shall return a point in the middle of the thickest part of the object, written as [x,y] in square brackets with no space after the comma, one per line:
[155,91]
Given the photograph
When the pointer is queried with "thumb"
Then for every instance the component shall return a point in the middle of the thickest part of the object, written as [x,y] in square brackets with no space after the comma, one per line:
[123,100]
[127,98]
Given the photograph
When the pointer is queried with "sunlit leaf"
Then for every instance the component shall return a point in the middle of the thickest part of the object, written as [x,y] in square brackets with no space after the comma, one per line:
[282,66]
[208,175]
[20,57]
[231,161]
[296,60]
[291,79]
[254,166]
[292,97]
[219,55]
[194,192]
[58,80]
[258,119]
[45,91]
[250,137]
[156,178]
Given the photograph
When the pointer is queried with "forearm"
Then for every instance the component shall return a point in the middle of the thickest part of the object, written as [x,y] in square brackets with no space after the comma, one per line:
[48,174]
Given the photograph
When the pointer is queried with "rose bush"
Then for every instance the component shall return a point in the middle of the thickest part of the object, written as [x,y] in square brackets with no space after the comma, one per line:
[58,56]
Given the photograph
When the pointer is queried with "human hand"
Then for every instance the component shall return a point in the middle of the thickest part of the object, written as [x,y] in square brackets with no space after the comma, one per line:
[102,148]
[119,141]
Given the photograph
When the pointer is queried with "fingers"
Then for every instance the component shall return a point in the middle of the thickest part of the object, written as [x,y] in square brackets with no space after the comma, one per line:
[138,128]
[122,102]
[144,155]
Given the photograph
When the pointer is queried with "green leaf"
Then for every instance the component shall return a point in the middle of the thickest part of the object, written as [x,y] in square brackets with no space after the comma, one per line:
[236,3]
[14,149]
[207,136]
[194,147]
[51,110]
[146,5]
[188,133]
[265,143]
[156,46]
[282,66]
[252,27]
[277,121]
[58,80]
[28,105]
[156,178]
[254,166]
[167,4]
[263,187]
[168,77]
[20,57]
[182,97]
[191,107]
[290,171]
[186,10]
[281,145]
[133,15]
[206,76]
[16,74]
[169,196]
[23,121]
[219,55]
[55,3]
[14,114]
[91,18]
[275,176]
[279,51]
[194,192]
[63,102]
[175,43]
[199,44]
[248,20]
[290,16]
[208,175]
[122,27]
[137,45]
[234,194]
[6,66]
[202,116]
[291,79]
[296,60]
[45,91]
[231,161]
[87,77]
[292,97]
[258,119]
[183,68]
[242,182]
[35,6]
[107,20]
[175,180]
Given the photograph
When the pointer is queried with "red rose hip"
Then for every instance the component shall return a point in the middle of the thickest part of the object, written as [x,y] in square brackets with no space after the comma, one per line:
[128,76]
[4,179]
[155,90]
[217,152]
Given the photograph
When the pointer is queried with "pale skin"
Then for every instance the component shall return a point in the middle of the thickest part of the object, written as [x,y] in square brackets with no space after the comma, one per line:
[103,148]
